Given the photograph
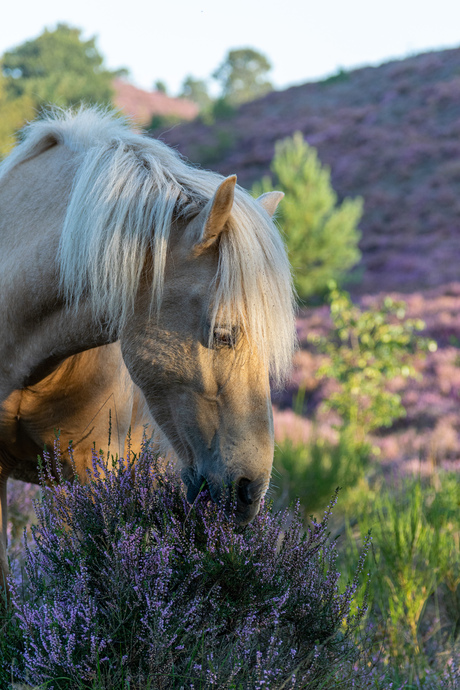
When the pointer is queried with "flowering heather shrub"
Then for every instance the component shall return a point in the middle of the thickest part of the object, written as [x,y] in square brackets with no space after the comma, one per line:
[369,349]
[130,586]
[21,514]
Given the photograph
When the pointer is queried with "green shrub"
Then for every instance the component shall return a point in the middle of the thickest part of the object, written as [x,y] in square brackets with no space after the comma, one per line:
[160,123]
[365,351]
[340,76]
[321,235]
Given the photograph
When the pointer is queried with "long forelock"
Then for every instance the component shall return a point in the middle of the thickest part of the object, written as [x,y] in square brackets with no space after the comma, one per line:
[253,283]
[127,192]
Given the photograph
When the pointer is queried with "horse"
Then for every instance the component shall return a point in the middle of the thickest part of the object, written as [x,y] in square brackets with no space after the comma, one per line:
[136,284]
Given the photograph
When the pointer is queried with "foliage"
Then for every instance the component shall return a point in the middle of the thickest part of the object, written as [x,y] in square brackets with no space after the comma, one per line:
[366,350]
[58,67]
[242,75]
[222,142]
[197,91]
[21,515]
[129,584]
[13,114]
[340,76]
[160,86]
[321,235]
[415,583]
[413,508]
[310,472]
[221,109]
[11,643]
[161,123]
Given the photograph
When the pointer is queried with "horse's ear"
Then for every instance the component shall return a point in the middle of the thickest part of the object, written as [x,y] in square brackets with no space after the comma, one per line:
[216,213]
[270,201]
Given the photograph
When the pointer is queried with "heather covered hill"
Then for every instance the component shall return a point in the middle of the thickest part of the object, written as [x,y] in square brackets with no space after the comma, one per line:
[390,134]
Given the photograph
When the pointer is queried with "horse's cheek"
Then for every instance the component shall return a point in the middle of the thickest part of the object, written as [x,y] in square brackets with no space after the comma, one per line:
[156,365]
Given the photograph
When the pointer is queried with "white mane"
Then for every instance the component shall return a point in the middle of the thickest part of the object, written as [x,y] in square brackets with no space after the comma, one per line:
[127,191]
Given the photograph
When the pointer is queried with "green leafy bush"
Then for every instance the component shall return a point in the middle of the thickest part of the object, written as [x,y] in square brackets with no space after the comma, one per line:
[321,235]
[366,350]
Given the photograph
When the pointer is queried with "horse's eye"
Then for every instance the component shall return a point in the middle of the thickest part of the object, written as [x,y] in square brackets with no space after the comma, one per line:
[224,337]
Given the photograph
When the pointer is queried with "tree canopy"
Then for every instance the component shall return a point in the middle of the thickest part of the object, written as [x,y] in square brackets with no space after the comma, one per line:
[13,113]
[58,67]
[242,75]
[197,91]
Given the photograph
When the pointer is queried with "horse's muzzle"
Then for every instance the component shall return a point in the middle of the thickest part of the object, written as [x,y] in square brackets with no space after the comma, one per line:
[242,496]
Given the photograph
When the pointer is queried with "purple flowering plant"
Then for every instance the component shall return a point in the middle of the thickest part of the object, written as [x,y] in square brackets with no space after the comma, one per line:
[128,586]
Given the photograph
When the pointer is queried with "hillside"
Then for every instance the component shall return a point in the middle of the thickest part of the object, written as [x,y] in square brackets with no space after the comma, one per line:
[390,134]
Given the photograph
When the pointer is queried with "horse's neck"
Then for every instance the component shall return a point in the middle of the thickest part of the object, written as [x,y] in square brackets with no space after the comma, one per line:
[29,351]
[37,331]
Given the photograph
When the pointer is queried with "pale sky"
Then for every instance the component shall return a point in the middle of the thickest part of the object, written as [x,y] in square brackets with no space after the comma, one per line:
[304,41]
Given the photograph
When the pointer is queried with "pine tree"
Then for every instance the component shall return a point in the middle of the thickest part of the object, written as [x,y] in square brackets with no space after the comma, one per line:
[322,235]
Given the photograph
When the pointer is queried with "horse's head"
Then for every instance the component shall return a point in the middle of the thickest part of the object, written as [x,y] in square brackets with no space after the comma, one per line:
[206,383]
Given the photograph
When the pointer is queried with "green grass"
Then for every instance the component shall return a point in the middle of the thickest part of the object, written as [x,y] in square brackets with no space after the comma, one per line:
[415,565]
[312,472]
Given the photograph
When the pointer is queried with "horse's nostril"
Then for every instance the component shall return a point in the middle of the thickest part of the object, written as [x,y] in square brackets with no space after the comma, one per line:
[244,492]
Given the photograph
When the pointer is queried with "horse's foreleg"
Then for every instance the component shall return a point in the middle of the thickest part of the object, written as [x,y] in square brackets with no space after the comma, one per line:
[3,526]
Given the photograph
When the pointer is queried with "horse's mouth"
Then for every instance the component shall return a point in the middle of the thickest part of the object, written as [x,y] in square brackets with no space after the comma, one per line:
[244,510]
[194,483]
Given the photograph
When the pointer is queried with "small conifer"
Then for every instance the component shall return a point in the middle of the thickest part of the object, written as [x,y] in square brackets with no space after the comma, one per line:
[321,235]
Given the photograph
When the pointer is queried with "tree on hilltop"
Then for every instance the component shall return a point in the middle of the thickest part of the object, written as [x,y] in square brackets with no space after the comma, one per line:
[242,76]
[196,90]
[160,86]
[58,67]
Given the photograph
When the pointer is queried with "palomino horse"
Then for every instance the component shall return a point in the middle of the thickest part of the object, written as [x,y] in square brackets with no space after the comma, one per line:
[117,256]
